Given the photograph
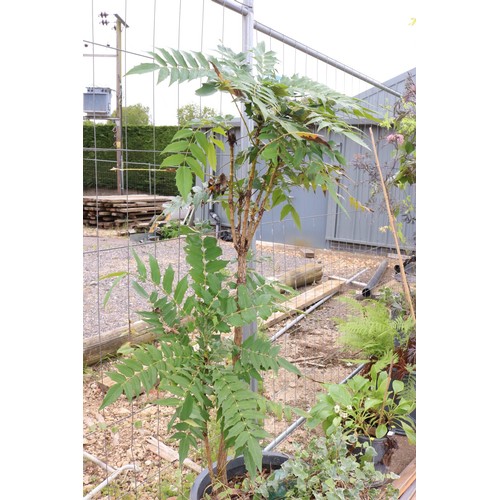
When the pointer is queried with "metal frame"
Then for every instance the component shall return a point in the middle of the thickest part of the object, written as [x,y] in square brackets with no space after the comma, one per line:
[248,12]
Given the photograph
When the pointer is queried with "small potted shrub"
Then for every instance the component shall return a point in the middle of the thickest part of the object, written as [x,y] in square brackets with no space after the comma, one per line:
[369,408]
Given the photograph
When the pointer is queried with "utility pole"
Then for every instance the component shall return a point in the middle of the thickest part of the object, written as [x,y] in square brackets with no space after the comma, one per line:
[120,23]
[118,127]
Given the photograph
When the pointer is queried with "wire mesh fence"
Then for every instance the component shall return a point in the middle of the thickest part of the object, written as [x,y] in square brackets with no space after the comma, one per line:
[123,443]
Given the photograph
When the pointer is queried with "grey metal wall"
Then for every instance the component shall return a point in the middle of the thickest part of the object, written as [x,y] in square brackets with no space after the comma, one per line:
[361,227]
[312,207]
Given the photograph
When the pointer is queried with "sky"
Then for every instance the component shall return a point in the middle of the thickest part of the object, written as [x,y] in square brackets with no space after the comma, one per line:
[378,42]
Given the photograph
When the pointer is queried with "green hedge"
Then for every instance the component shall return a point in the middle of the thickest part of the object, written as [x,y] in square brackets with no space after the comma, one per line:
[139,160]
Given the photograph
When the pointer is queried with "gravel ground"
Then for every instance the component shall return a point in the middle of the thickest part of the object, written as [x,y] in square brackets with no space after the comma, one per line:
[110,253]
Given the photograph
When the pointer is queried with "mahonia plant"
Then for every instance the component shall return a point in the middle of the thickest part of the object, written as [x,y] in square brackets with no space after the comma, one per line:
[202,373]
[280,113]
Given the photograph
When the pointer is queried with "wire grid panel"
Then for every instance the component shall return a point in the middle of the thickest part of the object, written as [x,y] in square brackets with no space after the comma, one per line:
[121,434]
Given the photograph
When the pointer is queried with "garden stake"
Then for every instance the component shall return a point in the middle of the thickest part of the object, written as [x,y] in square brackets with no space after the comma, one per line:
[393,230]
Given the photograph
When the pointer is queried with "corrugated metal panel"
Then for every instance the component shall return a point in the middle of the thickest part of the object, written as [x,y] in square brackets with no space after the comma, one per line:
[378,100]
[312,208]
[362,227]
[359,226]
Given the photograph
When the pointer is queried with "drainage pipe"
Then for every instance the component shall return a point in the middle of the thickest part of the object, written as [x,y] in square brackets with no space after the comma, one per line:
[357,283]
[104,466]
[287,432]
[310,309]
[367,291]
[406,264]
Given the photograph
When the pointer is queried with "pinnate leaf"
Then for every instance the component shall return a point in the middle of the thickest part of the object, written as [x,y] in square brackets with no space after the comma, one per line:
[168,278]
[176,146]
[114,392]
[141,268]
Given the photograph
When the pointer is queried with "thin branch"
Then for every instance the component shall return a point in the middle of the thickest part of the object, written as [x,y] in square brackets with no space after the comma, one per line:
[246,227]
[230,195]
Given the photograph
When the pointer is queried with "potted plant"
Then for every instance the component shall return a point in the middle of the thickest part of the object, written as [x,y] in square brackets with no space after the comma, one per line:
[324,468]
[367,408]
[378,328]
[280,146]
[196,363]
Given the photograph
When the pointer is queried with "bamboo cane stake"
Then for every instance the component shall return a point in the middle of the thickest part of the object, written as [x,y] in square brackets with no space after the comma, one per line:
[393,230]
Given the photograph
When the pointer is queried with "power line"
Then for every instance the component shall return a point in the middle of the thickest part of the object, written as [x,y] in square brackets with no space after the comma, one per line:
[123,51]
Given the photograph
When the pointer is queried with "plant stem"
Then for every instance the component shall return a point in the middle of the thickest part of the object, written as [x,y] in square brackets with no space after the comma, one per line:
[393,230]
[246,224]
[222,462]
[260,203]
[386,391]
[208,457]
[230,195]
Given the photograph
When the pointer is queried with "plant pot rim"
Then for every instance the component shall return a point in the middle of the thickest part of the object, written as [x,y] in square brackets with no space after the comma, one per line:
[366,437]
[236,465]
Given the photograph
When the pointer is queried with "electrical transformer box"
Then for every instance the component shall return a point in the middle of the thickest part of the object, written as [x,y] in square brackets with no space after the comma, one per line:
[97,100]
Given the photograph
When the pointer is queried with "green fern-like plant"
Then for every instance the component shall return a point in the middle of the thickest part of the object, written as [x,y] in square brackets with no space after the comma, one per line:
[370,330]
[196,365]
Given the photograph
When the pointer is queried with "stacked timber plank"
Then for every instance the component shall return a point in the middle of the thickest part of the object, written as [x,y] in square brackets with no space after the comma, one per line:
[134,210]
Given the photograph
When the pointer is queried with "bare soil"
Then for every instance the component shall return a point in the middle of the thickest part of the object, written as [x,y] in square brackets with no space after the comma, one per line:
[118,435]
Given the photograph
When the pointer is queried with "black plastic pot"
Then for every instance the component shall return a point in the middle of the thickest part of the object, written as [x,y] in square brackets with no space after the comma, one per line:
[381,447]
[235,467]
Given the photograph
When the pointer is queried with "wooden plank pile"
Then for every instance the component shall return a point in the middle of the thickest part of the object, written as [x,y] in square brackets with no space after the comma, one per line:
[135,210]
